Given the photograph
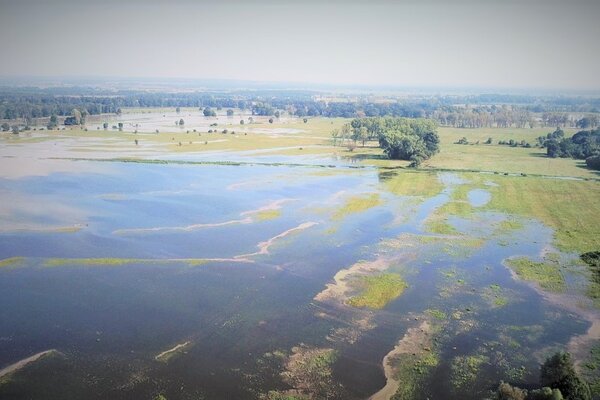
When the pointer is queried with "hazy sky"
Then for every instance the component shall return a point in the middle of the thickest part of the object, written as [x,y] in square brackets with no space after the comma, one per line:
[508,43]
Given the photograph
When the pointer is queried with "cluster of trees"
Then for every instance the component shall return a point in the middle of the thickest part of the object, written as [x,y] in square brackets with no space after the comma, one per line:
[582,145]
[558,380]
[412,139]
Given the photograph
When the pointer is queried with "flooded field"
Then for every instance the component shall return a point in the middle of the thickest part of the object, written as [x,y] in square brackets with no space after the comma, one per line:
[269,275]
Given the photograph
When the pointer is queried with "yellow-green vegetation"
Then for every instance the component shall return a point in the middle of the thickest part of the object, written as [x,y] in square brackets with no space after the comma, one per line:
[379,290]
[462,247]
[409,183]
[57,262]
[493,294]
[309,372]
[437,223]
[465,369]
[266,215]
[357,204]
[411,372]
[545,274]
[9,262]
[437,314]
[509,224]
[569,207]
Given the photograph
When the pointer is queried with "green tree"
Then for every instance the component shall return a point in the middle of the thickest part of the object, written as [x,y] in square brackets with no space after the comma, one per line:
[5,127]
[230,112]
[181,122]
[209,112]
[545,394]
[414,140]
[558,372]
[507,392]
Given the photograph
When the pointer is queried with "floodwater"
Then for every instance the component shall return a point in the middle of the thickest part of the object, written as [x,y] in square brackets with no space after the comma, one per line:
[220,265]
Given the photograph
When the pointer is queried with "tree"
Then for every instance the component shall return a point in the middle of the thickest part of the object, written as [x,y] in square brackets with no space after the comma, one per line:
[53,122]
[334,135]
[181,122]
[241,122]
[209,112]
[545,393]
[15,129]
[593,162]
[270,120]
[230,112]
[360,134]
[178,110]
[507,392]
[120,126]
[463,140]
[105,125]
[558,372]
[410,139]
[5,127]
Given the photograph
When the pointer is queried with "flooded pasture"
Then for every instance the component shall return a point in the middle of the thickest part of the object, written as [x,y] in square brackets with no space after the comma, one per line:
[220,281]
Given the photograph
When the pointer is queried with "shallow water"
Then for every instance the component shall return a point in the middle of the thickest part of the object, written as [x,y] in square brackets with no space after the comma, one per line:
[110,321]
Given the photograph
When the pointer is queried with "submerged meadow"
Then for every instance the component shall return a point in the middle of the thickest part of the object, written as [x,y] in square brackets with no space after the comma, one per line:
[270,263]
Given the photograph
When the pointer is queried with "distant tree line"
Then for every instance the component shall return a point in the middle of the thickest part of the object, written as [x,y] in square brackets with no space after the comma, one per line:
[474,111]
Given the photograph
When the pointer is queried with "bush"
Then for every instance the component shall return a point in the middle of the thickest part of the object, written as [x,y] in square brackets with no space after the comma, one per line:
[593,162]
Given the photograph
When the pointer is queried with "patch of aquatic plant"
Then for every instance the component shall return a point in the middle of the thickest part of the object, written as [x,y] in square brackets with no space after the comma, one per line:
[9,262]
[309,372]
[357,204]
[437,314]
[494,295]
[266,215]
[439,224]
[422,184]
[545,274]
[509,225]
[462,247]
[412,372]
[57,262]
[378,291]
[464,370]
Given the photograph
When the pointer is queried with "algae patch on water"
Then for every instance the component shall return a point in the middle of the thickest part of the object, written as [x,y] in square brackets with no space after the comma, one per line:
[9,262]
[546,274]
[58,262]
[267,215]
[357,204]
[378,291]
